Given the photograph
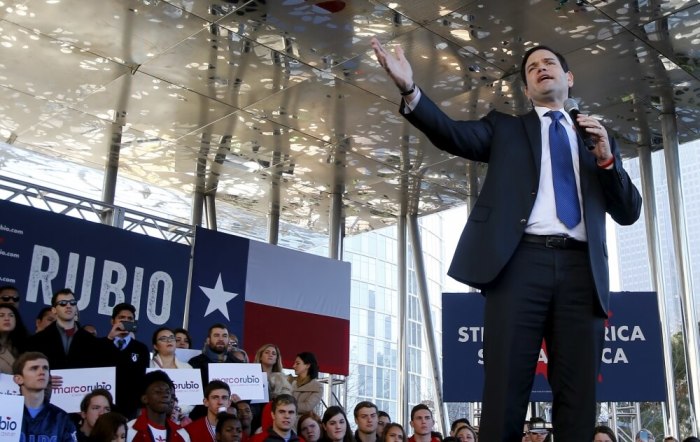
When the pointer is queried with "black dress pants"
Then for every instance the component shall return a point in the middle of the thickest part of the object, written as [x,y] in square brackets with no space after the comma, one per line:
[542,293]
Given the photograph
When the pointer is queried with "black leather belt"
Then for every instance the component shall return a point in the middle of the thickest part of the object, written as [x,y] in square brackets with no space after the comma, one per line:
[555,242]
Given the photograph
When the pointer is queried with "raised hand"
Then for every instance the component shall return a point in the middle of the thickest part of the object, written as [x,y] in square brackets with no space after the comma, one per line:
[396,65]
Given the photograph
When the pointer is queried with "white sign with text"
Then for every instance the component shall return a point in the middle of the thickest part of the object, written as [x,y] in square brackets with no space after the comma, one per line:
[7,385]
[79,382]
[11,417]
[245,380]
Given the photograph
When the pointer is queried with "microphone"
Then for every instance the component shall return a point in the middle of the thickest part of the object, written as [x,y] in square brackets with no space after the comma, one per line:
[571,107]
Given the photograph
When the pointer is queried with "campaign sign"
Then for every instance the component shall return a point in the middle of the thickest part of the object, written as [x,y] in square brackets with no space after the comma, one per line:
[185,354]
[11,417]
[42,252]
[78,382]
[245,380]
[7,385]
[631,362]
[188,384]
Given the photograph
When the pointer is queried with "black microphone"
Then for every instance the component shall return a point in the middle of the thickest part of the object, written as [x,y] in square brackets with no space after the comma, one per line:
[571,107]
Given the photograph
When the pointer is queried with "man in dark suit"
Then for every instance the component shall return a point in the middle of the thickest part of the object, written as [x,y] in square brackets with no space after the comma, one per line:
[129,356]
[64,343]
[534,242]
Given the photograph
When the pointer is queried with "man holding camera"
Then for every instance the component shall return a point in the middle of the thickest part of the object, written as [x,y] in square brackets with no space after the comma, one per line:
[129,357]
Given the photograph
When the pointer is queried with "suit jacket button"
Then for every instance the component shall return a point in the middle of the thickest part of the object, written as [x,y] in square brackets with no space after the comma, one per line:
[523,221]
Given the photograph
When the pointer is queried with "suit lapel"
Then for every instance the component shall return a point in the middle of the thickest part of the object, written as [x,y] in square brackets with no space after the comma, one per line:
[532,127]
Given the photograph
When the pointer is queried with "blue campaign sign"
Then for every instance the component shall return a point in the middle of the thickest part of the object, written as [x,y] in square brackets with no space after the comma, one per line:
[217,293]
[42,252]
[631,363]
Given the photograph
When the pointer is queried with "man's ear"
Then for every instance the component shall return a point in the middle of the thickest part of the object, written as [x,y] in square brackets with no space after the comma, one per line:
[19,379]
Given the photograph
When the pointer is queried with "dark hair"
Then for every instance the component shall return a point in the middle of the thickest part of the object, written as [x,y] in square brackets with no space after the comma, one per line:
[605,430]
[8,287]
[152,377]
[283,399]
[21,361]
[184,332]
[309,358]
[217,325]
[307,415]
[330,413]
[688,439]
[85,403]
[523,73]
[419,407]
[216,385]
[391,425]
[456,423]
[468,427]
[154,339]
[381,413]
[42,313]
[224,417]
[17,337]
[59,293]
[121,307]
[107,425]
[363,404]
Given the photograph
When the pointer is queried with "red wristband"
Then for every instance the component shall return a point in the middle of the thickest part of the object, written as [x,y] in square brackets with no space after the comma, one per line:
[606,164]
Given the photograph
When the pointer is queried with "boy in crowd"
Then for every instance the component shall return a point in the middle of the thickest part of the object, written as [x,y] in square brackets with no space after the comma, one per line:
[217,399]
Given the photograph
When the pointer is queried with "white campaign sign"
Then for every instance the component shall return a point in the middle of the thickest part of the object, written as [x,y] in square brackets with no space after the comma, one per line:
[185,354]
[79,382]
[188,384]
[245,380]
[7,385]
[11,417]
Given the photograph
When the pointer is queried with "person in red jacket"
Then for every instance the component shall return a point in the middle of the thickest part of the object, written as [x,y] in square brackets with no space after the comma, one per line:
[284,416]
[217,398]
[153,424]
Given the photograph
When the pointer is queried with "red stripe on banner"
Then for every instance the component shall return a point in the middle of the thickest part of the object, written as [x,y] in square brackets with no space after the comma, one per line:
[294,332]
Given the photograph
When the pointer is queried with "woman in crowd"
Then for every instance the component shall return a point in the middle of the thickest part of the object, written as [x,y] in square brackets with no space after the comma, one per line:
[305,386]
[465,433]
[12,337]
[164,341]
[336,427]
[183,338]
[110,427]
[228,428]
[270,359]
[603,433]
[96,403]
[309,427]
[394,432]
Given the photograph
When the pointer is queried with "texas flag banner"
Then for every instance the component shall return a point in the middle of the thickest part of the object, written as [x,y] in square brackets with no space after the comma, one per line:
[268,294]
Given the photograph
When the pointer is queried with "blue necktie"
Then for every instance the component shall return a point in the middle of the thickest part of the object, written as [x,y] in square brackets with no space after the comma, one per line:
[563,178]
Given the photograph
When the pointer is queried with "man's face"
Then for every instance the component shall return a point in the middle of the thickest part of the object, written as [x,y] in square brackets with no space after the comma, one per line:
[244,413]
[422,422]
[35,375]
[9,296]
[231,431]
[284,417]
[46,320]
[366,420]
[537,435]
[65,307]
[546,81]
[217,398]
[158,397]
[381,424]
[218,340]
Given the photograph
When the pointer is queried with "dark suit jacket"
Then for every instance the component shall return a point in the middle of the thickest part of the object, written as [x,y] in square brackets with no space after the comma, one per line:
[85,350]
[512,147]
[130,364]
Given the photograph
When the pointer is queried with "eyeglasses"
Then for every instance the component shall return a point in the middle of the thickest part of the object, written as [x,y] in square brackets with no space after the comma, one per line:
[64,303]
[166,339]
[9,298]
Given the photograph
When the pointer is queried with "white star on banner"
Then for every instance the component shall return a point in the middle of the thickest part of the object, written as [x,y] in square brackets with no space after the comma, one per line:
[218,298]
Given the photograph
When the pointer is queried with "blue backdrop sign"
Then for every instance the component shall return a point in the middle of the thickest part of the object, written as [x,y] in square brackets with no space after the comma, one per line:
[631,363]
[42,252]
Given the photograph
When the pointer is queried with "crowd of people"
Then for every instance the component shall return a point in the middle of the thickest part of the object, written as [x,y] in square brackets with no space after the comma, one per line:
[147,408]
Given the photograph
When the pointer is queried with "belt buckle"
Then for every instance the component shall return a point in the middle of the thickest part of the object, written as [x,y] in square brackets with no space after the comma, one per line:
[555,242]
